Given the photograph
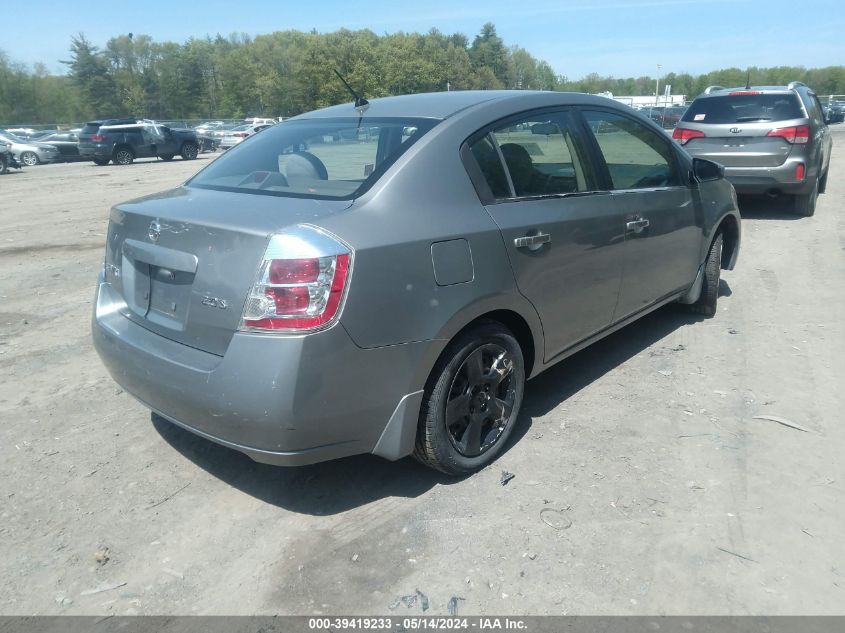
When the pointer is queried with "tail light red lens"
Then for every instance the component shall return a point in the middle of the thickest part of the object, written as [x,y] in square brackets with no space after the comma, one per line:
[294,271]
[98,138]
[744,93]
[800,171]
[297,294]
[240,134]
[685,135]
[798,135]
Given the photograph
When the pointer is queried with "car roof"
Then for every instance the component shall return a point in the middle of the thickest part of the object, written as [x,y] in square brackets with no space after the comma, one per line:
[764,89]
[441,105]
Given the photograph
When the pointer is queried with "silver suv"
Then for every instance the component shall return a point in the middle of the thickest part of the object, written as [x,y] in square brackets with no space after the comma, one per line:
[771,139]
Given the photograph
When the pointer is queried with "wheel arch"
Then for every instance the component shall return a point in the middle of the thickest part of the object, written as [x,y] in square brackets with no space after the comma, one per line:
[126,146]
[529,339]
[729,227]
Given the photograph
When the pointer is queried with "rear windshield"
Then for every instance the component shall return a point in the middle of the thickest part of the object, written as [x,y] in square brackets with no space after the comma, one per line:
[90,128]
[314,158]
[744,108]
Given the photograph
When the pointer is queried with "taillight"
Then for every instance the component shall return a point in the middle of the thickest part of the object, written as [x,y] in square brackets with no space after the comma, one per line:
[98,138]
[798,135]
[240,134]
[301,282]
[744,93]
[684,135]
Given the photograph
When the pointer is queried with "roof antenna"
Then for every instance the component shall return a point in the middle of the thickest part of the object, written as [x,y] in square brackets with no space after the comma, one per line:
[361,104]
[748,80]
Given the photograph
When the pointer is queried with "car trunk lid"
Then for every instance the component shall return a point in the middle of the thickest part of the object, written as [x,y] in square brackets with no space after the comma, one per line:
[185,260]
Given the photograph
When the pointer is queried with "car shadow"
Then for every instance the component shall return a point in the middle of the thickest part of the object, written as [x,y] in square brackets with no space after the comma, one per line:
[767,208]
[319,489]
[147,161]
[570,376]
[337,486]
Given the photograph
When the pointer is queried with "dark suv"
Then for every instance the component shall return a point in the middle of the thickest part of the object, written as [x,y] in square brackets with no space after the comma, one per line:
[124,140]
[771,139]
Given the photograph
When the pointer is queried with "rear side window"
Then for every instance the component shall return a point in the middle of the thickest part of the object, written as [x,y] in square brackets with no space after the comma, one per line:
[314,158]
[540,153]
[744,108]
[636,156]
[486,155]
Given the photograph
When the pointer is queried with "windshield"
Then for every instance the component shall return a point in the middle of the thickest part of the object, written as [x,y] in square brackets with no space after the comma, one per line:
[8,136]
[314,158]
[744,108]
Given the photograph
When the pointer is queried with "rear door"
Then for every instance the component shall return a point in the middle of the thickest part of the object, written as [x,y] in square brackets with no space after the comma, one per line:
[663,224]
[820,134]
[563,235]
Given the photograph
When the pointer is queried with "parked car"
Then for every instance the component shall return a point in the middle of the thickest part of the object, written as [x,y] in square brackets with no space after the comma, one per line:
[771,139]
[216,134]
[29,152]
[392,296]
[66,142]
[124,140]
[22,132]
[260,121]
[237,134]
[209,125]
[834,112]
[7,158]
[666,117]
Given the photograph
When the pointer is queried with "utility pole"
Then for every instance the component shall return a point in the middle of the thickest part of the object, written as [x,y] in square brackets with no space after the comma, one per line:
[657,85]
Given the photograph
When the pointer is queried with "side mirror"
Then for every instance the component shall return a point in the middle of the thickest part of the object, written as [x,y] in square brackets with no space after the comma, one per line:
[706,170]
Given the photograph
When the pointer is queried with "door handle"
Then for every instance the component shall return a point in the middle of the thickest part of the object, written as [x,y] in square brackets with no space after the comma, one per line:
[637,226]
[532,242]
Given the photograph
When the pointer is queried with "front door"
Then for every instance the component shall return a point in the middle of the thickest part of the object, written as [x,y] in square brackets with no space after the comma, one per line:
[663,225]
[565,238]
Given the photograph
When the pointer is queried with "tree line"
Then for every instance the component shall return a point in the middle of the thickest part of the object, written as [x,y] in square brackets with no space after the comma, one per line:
[289,72]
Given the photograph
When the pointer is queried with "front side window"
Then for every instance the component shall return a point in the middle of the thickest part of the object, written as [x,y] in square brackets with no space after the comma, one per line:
[541,158]
[314,158]
[636,156]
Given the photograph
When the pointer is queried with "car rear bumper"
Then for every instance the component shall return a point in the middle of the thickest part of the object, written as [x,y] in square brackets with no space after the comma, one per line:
[773,180]
[285,400]
[95,151]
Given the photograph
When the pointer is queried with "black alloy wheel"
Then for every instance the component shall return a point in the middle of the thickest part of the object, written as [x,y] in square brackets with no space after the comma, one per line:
[480,400]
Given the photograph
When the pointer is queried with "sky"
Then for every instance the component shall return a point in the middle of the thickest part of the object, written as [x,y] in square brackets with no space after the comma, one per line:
[622,38]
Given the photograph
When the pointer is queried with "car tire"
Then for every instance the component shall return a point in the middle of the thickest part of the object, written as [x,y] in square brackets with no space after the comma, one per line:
[166,157]
[30,159]
[102,162]
[823,181]
[480,380]
[805,205]
[709,297]
[123,156]
[4,165]
[189,151]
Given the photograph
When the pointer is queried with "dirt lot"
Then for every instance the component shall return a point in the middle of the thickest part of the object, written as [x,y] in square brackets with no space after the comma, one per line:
[644,484]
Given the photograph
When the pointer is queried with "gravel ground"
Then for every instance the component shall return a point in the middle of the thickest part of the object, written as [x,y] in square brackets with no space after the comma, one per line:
[643,484]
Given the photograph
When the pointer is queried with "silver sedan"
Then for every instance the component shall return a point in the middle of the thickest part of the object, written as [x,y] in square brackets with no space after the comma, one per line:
[30,152]
[383,278]
[240,133]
